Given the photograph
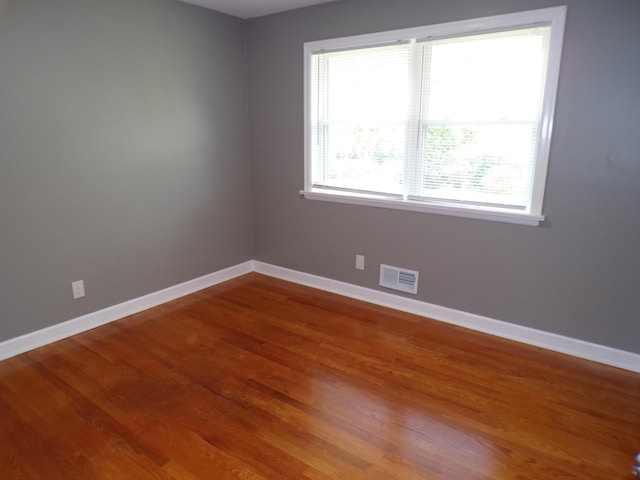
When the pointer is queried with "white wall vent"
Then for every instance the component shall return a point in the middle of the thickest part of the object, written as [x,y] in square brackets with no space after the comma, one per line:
[399,279]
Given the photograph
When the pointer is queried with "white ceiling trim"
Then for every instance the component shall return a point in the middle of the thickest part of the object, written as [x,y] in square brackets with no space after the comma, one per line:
[254,8]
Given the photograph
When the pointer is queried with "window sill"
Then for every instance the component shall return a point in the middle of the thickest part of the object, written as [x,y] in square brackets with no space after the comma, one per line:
[413,206]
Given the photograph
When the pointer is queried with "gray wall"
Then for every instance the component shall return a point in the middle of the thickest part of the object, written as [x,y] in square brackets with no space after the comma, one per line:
[124,162]
[123,153]
[578,274]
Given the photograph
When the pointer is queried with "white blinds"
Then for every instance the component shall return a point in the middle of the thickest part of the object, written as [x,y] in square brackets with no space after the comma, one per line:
[452,120]
[481,110]
[361,98]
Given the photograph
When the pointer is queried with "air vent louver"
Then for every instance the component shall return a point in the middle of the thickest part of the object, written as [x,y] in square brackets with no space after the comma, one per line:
[399,279]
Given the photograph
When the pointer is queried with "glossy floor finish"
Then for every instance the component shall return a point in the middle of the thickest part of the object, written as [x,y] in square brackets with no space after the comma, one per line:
[257,378]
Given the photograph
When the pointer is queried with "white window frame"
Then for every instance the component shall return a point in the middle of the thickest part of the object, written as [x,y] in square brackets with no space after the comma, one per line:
[554,16]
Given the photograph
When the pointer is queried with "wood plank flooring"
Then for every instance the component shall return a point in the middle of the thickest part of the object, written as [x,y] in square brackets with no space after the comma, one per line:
[260,379]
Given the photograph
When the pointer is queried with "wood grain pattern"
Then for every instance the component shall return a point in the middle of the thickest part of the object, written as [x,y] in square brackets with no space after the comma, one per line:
[261,379]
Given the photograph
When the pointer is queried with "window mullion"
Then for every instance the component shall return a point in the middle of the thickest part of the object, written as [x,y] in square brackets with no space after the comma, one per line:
[413,165]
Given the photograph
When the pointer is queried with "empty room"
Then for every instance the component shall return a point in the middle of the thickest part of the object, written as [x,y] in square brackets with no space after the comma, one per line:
[320,239]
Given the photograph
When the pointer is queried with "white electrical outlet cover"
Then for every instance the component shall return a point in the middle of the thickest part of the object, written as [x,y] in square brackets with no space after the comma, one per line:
[78,289]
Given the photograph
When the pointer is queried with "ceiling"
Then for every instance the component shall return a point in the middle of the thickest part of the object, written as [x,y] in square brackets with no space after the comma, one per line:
[254,8]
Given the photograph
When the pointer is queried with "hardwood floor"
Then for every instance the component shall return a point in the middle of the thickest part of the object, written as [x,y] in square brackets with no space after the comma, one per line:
[257,379]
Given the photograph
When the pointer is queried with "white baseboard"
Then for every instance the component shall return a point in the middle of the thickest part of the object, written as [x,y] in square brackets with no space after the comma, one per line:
[550,341]
[24,343]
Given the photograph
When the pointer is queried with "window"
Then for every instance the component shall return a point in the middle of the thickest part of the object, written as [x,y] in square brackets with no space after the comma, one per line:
[453,118]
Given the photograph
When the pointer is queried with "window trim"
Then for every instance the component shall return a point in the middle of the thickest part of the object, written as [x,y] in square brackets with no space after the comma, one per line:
[553,16]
